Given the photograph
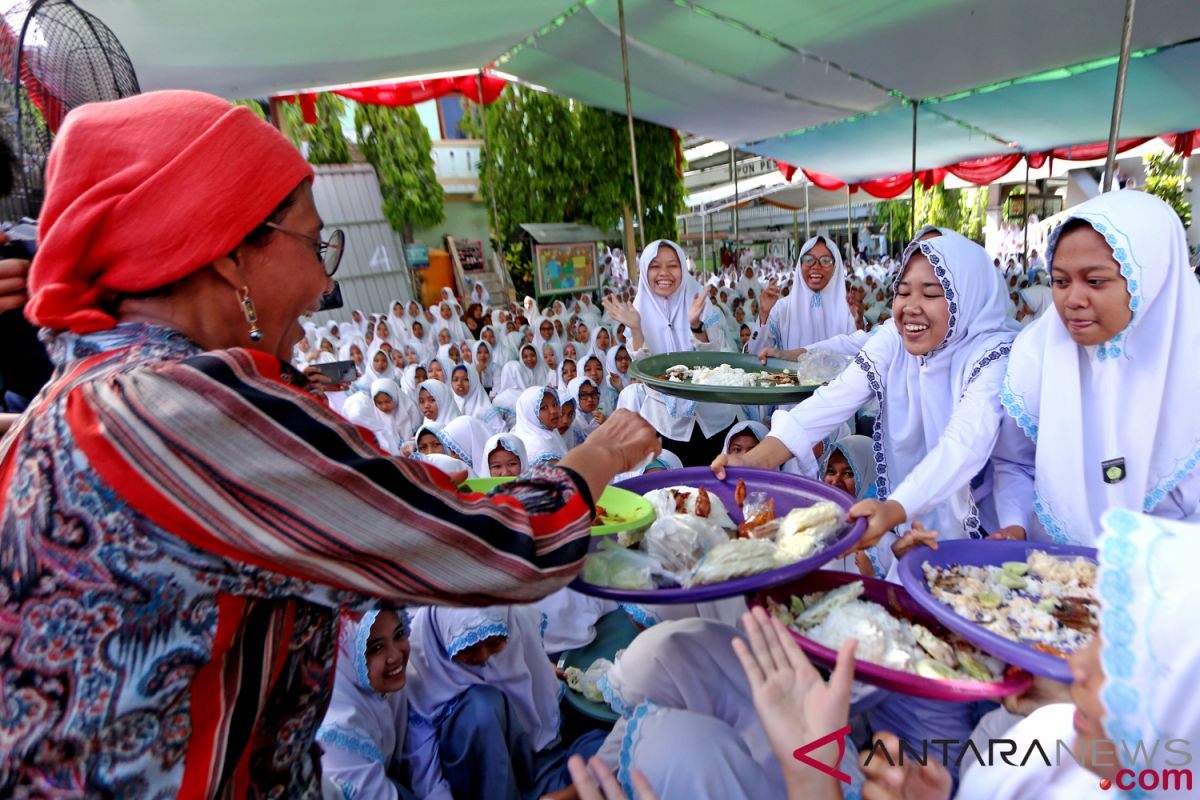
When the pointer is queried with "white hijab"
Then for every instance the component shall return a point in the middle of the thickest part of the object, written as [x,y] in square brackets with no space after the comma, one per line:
[805,317]
[446,400]
[361,721]
[464,438]
[689,665]
[541,443]
[918,394]
[510,442]
[521,670]
[584,424]
[491,372]
[515,375]
[1131,397]
[665,323]
[476,403]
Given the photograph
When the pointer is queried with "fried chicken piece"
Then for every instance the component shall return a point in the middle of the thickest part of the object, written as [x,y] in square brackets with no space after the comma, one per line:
[739,493]
[703,503]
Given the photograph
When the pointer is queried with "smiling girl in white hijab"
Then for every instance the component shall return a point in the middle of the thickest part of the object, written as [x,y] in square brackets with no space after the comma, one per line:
[489,731]
[939,412]
[662,325]
[1114,423]
[362,735]
[805,317]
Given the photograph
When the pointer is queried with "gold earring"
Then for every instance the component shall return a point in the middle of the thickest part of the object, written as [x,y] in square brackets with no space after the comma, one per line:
[249,311]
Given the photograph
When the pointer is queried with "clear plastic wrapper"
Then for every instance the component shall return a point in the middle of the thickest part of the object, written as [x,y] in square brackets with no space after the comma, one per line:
[614,566]
[679,542]
[586,682]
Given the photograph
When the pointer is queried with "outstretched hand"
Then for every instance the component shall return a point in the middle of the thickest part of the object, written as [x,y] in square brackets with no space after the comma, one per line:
[896,778]
[794,703]
[595,781]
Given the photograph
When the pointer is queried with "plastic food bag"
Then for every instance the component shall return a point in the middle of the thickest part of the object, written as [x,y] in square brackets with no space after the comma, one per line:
[587,682]
[614,566]
[689,501]
[678,542]
[820,366]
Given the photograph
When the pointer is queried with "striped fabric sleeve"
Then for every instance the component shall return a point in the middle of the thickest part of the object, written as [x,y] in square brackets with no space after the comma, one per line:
[222,453]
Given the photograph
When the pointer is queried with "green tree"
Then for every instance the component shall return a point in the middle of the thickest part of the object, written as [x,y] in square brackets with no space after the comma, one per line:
[1166,181]
[398,146]
[326,143]
[962,210]
[550,159]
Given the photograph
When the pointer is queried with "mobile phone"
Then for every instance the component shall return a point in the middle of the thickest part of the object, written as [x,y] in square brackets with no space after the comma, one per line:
[338,371]
[333,300]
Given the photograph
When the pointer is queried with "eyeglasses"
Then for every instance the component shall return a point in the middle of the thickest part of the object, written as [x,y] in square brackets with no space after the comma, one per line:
[329,252]
[824,261]
[588,395]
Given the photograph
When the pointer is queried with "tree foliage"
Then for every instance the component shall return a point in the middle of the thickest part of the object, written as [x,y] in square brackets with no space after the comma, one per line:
[398,146]
[550,159]
[962,210]
[325,142]
[1165,180]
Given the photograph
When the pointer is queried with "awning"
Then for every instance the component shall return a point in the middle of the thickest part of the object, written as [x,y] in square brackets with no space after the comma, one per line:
[824,86]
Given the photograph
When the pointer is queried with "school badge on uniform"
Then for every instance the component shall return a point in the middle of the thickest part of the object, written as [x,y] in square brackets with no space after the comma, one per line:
[1114,470]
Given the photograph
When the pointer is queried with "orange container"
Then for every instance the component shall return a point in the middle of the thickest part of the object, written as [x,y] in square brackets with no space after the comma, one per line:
[438,275]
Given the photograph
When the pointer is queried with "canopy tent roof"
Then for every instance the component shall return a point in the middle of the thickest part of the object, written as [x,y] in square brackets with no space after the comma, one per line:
[824,86]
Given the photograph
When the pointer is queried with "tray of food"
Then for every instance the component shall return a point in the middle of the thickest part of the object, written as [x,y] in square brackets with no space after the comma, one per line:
[716,377]
[616,510]
[901,646]
[1032,604]
[712,539]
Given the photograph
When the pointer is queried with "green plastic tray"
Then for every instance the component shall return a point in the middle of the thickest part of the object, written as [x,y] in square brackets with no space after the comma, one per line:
[649,368]
[629,505]
[614,631]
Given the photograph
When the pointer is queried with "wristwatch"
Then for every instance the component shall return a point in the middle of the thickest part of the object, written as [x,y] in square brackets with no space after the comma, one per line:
[698,328]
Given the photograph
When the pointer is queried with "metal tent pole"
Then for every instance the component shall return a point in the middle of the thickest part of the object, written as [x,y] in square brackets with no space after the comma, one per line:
[849,233]
[912,219]
[703,239]
[807,230]
[637,187]
[736,194]
[1119,95]
[1025,257]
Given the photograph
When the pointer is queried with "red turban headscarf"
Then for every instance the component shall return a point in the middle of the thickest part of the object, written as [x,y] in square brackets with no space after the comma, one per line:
[143,191]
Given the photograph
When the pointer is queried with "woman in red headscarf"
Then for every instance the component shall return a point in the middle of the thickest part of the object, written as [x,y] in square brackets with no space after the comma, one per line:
[181,521]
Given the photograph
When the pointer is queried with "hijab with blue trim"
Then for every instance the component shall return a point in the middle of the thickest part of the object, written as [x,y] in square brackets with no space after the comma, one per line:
[1131,397]
[363,732]
[521,670]
[542,443]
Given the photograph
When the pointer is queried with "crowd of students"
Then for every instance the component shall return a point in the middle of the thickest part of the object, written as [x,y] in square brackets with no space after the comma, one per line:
[981,417]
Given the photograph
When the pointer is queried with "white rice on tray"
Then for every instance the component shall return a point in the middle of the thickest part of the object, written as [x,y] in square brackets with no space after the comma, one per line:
[1028,606]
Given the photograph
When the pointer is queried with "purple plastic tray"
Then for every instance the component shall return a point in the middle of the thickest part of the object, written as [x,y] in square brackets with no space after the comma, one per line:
[985,553]
[789,491]
[900,604]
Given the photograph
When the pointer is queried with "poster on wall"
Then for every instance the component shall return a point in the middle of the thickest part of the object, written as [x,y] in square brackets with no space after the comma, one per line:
[417,255]
[566,268]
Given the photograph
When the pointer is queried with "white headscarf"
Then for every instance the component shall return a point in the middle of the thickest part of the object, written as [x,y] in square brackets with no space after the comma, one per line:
[541,442]
[510,442]
[490,373]
[1038,298]
[447,407]
[918,394]
[370,374]
[561,386]
[1131,397]
[804,316]
[860,455]
[515,375]
[521,670]
[665,323]
[479,293]
[361,724]
[584,424]
[464,438]
[612,369]
[476,403]
[689,665]
[757,429]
